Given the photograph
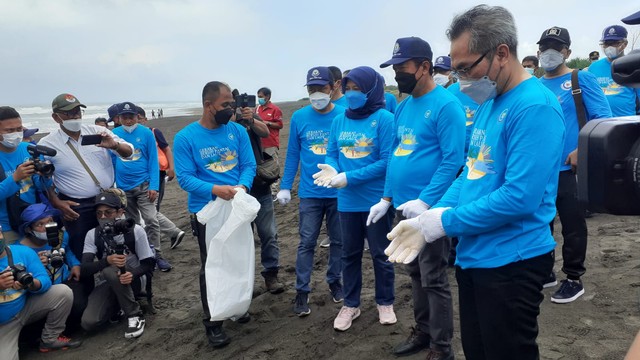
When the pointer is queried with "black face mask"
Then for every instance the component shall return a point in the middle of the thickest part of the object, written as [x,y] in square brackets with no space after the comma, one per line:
[222,117]
[406,82]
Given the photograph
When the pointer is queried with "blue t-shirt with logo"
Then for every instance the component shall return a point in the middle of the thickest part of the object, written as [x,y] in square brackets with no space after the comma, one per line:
[503,202]
[60,275]
[12,301]
[390,102]
[596,106]
[470,108]
[308,140]
[361,148]
[622,99]
[207,157]
[428,148]
[143,162]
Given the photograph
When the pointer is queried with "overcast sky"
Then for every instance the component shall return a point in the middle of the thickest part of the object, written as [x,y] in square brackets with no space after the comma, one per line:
[109,51]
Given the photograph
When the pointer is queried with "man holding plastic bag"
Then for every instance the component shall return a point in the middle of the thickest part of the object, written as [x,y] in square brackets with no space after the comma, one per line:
[215,164]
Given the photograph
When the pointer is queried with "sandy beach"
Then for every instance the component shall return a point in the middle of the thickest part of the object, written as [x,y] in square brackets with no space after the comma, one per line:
[599,325]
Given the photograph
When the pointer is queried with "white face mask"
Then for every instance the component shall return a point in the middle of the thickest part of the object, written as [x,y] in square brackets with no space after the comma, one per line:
[551,59]
[319,100]
[40,235]
[129,129]
[611,52]
[72,125]
[12,140]
[441,79]
[529,70]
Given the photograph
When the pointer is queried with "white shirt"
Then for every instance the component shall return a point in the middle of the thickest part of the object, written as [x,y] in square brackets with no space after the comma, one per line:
[70,177]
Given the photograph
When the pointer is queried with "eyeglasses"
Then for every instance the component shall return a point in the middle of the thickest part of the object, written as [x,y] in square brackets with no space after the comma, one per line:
[106,213]
[71,113]
[465,71]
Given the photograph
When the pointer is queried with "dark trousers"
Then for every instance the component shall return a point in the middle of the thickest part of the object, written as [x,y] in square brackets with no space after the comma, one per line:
[499,309]
[162,175]
[202,244]
[574,226]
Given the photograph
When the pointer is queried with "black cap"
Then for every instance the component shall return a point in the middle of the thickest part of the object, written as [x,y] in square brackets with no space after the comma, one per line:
[556,33]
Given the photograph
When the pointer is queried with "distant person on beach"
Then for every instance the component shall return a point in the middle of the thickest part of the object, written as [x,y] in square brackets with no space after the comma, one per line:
[265,221]
[153,114]
[501,205]
[308,139]
[337,97]
[212,158]
[101,122]
[271,115]
[137,176]
[18,173]
[359,148]
[167,173]
[80,171]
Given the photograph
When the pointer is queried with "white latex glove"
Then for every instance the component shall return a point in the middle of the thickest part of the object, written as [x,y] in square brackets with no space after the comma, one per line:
[410,236]
[284,196]
[377,211]
[339,181]
[413,208]
[324,176]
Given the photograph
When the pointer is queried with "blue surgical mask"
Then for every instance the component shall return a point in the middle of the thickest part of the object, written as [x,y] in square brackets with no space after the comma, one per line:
[551,59]
[355,98]
[262,101]
[529,70]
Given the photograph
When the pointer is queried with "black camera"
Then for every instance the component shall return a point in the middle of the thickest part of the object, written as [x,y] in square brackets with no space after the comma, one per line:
[53,234]
[45,168]
[609,153]
[21,275]
[118,227]
[244,100]
[56,258]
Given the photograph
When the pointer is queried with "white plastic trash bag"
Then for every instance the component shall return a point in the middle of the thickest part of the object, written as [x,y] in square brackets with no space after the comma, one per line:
[229,271]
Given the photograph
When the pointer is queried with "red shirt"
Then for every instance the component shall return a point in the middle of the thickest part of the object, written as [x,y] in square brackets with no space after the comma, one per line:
[270,113]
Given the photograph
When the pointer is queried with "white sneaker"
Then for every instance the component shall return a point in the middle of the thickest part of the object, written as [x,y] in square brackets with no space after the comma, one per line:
[345,318]
[386,315]
[325,243]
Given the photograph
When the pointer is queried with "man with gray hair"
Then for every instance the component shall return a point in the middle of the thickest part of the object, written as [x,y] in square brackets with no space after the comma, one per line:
[501,205]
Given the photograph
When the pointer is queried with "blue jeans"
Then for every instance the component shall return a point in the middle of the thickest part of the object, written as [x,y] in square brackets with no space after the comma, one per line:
[311,213]
[265,223]
[354,230]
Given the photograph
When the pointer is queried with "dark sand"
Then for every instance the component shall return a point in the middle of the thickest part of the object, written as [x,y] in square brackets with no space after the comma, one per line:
[600,325]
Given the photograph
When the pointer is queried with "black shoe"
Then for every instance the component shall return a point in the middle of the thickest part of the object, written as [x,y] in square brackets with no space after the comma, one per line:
[415,343]
[551,281]
[569,291]
[301,305]
[177,239]
[217,337]
[337,295]
[272,283]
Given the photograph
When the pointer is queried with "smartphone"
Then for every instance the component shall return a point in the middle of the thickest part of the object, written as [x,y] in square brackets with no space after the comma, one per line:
[91,139]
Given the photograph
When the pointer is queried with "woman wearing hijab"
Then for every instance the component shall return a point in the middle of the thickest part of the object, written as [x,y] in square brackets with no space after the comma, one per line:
[360,144]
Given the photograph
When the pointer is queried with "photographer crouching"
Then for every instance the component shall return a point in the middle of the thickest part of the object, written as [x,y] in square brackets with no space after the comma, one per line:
[124,256]
[26,296]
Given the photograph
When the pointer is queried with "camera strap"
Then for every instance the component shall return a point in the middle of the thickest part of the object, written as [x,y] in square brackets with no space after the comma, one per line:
[86,167]
[9,256]
[577,99]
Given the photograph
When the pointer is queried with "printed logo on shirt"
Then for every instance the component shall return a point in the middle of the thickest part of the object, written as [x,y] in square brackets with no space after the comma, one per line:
[408,142]
[479,158]
[503,115]
[138,139]
[137,154]
[566,85]
[354,145]
[219,160]
[230,136]
[427,114]
[374,123]
[469,113]
[612,89]
[318,140]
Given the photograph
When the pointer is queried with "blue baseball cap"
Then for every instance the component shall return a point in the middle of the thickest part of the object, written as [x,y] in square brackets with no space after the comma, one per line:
[27,133]
[35,212]
[127,108]
[442,62]
[614,33]
[633,19]
[320,75]
[409,48]
[112,111]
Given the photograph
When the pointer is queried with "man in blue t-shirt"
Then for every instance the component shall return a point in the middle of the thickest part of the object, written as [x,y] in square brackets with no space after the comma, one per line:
[212,158]
[428,152]
[624,101]
[337,97]
[136,175]
[553,51]
[501,205]
[307,147]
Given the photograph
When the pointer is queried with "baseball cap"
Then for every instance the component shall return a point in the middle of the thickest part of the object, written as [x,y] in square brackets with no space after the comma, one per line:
[320,75]
[65,102]
[442,62]
[409,48]
[614,33]
[556,33]
[633,19]
[27,133]
[112,111]
[111,199]
[127,108]
[35,212]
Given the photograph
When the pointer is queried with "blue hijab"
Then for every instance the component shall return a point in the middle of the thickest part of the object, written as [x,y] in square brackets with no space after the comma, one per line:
[372,84]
